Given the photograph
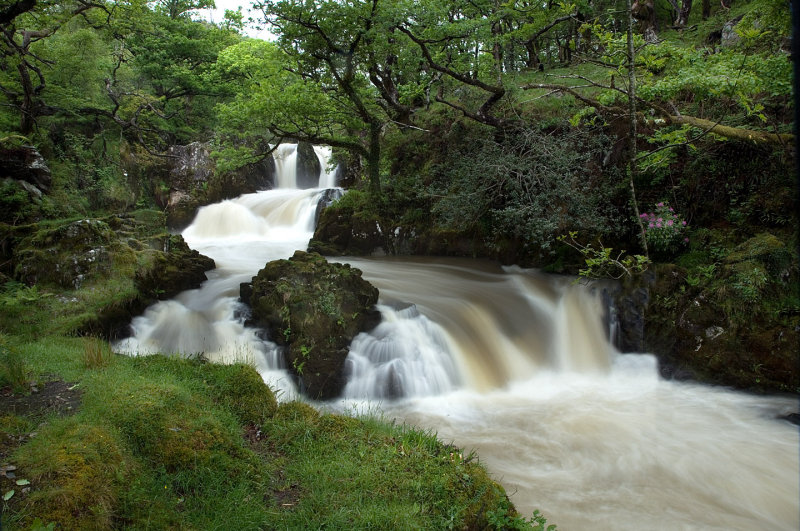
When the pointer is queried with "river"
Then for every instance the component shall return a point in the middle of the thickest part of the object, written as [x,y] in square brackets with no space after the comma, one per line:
[512,364]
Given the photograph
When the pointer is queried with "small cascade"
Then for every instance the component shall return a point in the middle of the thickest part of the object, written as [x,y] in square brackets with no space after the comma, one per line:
[581,342]
[285,156]
[406,355]
[327,178]
[482,329]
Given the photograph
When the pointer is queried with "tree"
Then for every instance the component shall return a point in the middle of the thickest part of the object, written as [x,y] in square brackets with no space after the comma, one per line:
[19,35]
[175,9]
[350,53]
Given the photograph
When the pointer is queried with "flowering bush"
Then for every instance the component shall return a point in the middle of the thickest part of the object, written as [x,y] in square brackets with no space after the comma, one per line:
[663,228]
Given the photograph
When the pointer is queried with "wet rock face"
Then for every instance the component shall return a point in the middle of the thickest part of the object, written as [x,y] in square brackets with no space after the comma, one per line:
[25,164]
[308,166]
[314,309]
[194,181]
[694,337]
[190,169]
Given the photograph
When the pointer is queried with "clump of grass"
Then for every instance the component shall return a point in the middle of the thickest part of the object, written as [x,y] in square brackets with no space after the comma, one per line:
[14,371]
[96,353]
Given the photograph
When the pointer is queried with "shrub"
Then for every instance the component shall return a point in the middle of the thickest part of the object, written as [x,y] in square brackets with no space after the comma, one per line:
[664,229]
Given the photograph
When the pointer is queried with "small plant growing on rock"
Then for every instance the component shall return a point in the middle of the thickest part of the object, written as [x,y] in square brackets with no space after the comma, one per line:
[602,263]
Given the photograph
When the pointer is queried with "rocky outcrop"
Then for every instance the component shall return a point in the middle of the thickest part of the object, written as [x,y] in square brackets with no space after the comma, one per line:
[190,169]
[194,181]
[717,332]
[26,164]
[24,179]
[308,166]
[314,309]
[124,262]
[68,254]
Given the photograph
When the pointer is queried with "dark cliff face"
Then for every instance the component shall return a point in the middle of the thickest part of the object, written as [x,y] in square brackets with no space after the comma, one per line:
[314,309]
[26,164]
[696,334]
[194,181]
[308,166]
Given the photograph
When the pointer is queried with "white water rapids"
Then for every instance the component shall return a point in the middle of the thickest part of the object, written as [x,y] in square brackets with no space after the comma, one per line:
[514,365]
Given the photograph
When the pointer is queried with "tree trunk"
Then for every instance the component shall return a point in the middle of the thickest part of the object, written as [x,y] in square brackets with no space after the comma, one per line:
[706,9]
[374,158]
[644,12]
[27,118]
[533,56]
[632,117]
[683,14]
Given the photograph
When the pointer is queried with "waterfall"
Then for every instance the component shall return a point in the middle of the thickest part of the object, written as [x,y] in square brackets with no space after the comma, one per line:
[285,156]
[510,363]
[476,328]
[241,235]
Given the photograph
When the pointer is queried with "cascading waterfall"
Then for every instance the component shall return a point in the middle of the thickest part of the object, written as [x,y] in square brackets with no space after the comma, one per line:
[593,438]
[285,156]
[241,235]
[510,363]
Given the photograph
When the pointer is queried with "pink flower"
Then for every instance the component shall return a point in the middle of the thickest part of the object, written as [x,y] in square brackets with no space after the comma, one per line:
[671,209]
[660,220]
[660,204]
[669,223]
[683,223]
[686,240]
[651,225]
[658,225]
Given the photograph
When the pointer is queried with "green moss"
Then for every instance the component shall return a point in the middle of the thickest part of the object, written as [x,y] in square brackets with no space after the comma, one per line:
[764,248]
[77,471]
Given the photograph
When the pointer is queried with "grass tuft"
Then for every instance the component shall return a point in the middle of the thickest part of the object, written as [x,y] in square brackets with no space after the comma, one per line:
[96,353]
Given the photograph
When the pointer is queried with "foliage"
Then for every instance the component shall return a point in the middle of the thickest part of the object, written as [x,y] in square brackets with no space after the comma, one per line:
[601,263]
[533,186]
[14,372]
[664,228]
[503,518]
[96,353]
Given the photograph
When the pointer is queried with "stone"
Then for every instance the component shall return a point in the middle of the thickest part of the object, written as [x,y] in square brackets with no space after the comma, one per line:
[313,309]
[25,163]
[308,166]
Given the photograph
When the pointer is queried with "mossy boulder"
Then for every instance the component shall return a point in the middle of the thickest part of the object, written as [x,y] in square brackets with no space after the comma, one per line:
[113,267]
[731,328]
[67,254]
[313,308]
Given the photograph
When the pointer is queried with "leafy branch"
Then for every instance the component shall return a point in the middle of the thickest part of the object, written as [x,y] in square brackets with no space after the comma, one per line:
[601,263]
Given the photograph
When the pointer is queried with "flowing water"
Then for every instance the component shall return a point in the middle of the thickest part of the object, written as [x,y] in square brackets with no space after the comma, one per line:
[512,364]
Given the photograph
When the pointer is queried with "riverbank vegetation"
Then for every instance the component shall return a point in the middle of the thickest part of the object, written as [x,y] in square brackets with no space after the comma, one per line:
[474,128]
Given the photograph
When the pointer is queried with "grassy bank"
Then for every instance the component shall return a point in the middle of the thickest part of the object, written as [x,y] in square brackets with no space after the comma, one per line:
[161,442]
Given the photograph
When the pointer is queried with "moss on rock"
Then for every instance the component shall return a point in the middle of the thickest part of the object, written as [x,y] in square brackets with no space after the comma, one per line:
[314,309]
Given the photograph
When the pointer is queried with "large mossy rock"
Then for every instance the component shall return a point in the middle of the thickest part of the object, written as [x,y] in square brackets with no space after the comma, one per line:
[109,270]
[65,255]
[732,327]
[313,308]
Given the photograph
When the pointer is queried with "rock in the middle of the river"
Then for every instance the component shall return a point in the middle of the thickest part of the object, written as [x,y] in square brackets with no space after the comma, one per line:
[315,309]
